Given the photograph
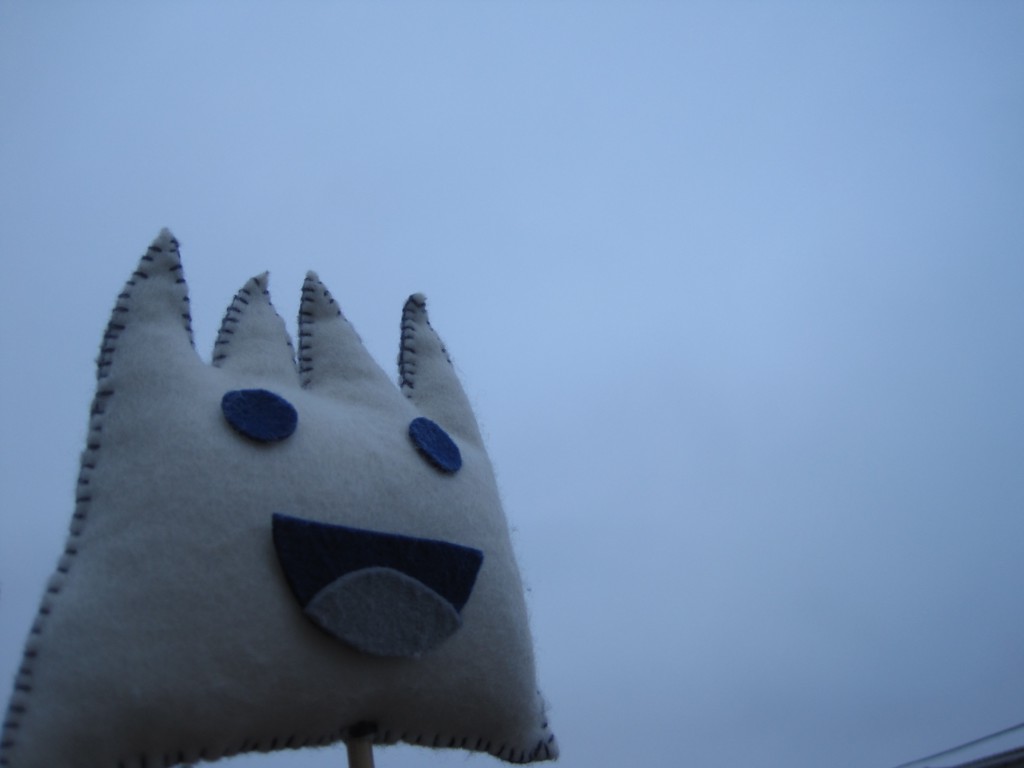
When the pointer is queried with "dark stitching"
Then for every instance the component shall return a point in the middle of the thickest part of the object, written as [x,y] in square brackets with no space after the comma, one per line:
[406,352]
[305,321]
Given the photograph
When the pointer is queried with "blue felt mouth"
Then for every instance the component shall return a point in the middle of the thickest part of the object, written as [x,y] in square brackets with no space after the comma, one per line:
[382,593]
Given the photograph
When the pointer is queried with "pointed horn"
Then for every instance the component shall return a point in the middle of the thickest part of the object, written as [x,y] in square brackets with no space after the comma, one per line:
[252,339]
[426,374]
[153,307]
[332,358]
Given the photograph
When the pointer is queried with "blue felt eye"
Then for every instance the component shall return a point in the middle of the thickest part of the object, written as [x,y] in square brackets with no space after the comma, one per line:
[435,445]
[259,415]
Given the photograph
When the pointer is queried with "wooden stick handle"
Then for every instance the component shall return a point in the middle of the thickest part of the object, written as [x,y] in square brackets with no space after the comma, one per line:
[360,753]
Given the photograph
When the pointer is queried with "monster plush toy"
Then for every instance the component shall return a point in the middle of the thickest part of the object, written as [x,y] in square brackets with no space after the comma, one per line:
[267,555]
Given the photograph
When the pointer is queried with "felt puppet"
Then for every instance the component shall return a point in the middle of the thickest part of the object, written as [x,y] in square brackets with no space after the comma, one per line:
[267,554]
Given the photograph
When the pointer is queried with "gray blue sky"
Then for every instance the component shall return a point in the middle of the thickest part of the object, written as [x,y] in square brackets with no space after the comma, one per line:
[736,289]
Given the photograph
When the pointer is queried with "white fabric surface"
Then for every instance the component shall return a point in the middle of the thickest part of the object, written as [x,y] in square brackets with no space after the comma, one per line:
[168,633]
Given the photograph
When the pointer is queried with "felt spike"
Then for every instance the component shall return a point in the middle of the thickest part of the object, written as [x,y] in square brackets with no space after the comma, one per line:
[154,304]
[426,374]
[332,358]
[252,337]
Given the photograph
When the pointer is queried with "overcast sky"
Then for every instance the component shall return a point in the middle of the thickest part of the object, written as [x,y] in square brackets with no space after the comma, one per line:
[737,290]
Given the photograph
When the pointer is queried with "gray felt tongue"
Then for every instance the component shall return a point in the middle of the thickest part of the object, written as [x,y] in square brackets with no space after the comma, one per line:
[384,612]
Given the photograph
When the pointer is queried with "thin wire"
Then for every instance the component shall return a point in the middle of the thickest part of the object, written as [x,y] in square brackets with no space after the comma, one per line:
[962,746]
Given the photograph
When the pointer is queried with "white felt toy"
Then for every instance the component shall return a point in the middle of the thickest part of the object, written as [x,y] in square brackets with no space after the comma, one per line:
[266,555]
